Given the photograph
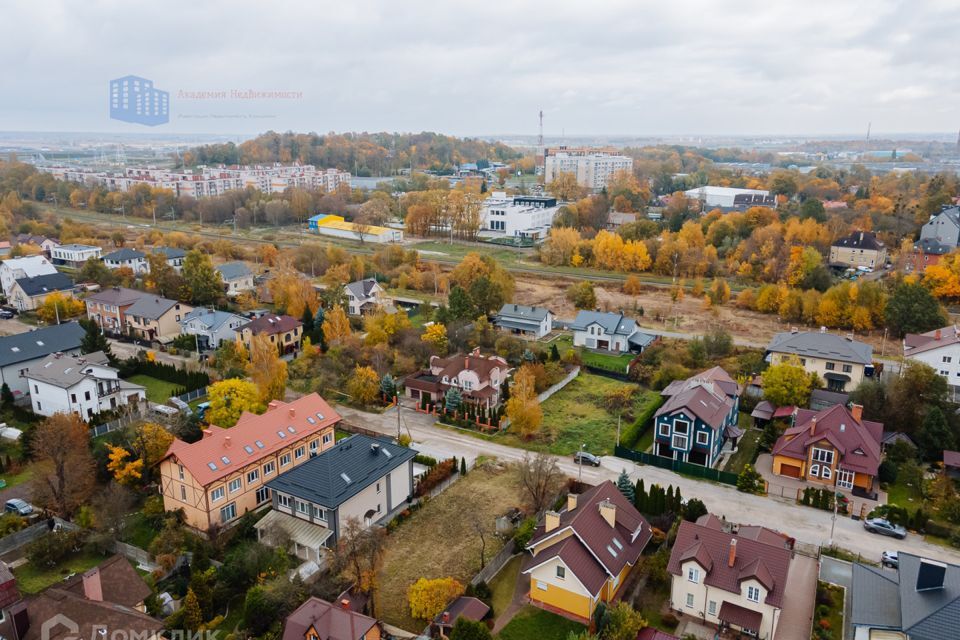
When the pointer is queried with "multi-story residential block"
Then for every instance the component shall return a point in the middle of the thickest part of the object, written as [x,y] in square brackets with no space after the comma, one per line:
[237,277]
[593,168]
[211,327]
[156,319]
[940,350]
[29,293]
[74,255]
[362,479]
[132,259]
[284,331]
[17,268]
[521,319]
[21,351]
[478,378]
[605,331]
[926,253]
[85,385]
[365,296]
[834,446]
[218,478]
[733,578]
[729,197]
[583,555]
[527,217]
[840,360]
[108,307]
[698,418]
[859,249]
[943,228]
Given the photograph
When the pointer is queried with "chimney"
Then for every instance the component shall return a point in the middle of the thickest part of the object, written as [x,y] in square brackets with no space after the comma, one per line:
[274,404]
[92,589]
[856,410]
[345,604]
[445,618]
[551,521]
[930,575]
[937,335]
[207,433]
[226,441]
[609,512]
[813,425]
[732,559]
[571,501]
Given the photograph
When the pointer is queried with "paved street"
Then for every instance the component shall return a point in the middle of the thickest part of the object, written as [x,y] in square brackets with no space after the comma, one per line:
[806,524]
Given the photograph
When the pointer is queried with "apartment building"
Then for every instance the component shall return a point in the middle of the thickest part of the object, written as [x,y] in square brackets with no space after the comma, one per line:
[222,476]
[518,216]
[592,167]
[859,249]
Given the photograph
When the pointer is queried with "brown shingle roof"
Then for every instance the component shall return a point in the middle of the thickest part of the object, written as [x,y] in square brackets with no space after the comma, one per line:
[701,399]
[858,443]
[769,564]
[464,606]
[119,582]
[740,616]
[951,459]
[328,620]
[481,365]
[271,324]
[915,343]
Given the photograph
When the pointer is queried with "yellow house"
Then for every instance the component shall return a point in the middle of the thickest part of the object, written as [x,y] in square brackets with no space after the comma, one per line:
[582,555]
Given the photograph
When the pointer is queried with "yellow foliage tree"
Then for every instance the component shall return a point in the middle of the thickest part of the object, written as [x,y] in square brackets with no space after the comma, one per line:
[364,385]
[266,369]
[436,334]
[336,325]
[150,442]
[632,286]
[381,326]
[124,472]
[59,305]
[523,407]
[229,399]
[427,598]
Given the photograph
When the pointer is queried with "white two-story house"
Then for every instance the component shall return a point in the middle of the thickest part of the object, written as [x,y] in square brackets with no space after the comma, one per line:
[84,385]
[940,350]
[609,332]
[126,257]
[364,296]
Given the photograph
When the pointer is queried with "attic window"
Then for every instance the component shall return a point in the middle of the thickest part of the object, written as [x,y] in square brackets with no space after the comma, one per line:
[311,420]
[224,459]
[281,434]
[67,370]
[617,543]
[248,448]
[291,430]
[612,552]
[320,416]
[259,444]
[40,342]
[346,478]
[15,349]
[212,465]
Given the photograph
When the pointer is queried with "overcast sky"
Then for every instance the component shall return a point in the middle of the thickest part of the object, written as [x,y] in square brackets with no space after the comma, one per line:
[594,66]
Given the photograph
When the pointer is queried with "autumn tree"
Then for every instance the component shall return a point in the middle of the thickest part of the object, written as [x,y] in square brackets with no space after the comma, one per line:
[125,471]
[622,622]
[582,295]
[59,307]
[267,369]
[475,266]
[291,291]
[360,551]
[787,384]
[336,326]
[230,398]
[523,407]
[364,385]
[436,335]
[230,359]
[64,470]
[427,598]
[564,186]
[202,280]
[541,478]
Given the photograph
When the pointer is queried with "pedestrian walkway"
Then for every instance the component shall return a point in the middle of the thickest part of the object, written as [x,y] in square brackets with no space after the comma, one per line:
[796,619]
[519,601]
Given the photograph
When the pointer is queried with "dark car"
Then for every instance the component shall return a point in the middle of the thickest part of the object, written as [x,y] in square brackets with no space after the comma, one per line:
[884,528]
[890,559]
[582,457]
[6,314]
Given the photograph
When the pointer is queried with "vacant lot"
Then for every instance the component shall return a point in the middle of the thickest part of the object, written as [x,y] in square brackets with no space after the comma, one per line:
[158,391]
[441,540]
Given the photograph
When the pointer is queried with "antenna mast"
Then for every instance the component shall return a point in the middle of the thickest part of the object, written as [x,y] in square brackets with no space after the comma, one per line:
[868,129]
[540,138]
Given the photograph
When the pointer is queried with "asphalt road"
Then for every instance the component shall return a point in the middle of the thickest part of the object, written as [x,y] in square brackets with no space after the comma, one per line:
[806,524]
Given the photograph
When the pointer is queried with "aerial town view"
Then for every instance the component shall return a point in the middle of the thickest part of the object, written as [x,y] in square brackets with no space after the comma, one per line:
[507,321]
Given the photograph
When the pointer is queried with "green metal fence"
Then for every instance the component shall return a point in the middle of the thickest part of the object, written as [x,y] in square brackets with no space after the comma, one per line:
[678,466]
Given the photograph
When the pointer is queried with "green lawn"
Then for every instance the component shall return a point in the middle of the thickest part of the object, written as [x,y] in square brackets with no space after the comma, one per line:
[605,361]
[746,449]
[32,579]
[158,391]
[139,532]
[502,585]
[533,624]
[904,496]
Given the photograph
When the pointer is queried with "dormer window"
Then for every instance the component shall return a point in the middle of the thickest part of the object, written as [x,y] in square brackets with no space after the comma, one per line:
[753,594]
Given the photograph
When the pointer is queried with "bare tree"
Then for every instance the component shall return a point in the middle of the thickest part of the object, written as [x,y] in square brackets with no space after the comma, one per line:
[482,529]
[360,554]
[541,479]
[361,225]
[65,474]
[111,507]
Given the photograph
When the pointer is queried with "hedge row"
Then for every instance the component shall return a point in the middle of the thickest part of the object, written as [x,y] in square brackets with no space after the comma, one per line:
[633,432]
[189,380]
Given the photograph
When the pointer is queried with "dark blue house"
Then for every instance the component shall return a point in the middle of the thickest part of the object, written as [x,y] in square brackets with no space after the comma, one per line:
[699,416]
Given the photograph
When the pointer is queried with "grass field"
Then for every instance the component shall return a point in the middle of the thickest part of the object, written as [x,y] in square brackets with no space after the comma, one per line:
[139,532]
[605,361]
[439,540]
[503,584]
[746,449]
[158,391]
[32,579]
[532,624]
[904,495]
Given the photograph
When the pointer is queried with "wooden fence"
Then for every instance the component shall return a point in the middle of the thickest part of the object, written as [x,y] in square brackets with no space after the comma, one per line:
[496,563]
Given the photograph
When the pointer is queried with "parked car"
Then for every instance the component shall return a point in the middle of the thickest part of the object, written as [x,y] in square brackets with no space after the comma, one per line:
[582,457]
[884,528]
[890,559]
[6,314]
[18,506]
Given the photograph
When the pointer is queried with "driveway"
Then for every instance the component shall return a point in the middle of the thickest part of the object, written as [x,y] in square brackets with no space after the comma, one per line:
[840,573]
[806,524]
[797,615]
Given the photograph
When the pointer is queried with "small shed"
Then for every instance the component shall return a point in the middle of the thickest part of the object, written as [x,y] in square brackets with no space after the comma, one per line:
[951,463]
[464,606]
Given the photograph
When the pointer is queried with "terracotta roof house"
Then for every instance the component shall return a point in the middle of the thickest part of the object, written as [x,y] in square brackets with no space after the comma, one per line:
[699,416]
[732,577]
[834,447]
[840,360]
[318,619]
[463,607]
[477,376]
[108,307]
[919,600]
[223,475]
[284,331]
[583,554]
[940,350]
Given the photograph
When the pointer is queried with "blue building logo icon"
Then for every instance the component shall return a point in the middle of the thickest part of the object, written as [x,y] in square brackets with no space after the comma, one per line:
[134,99]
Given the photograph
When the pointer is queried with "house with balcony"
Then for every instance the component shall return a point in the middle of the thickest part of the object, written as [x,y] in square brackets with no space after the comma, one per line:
[74,256]
[20,351]
[834,447]
[520,319]
[362,479]
[583,554]
[605,331]
[218,478]
[108,307]
[731,577]
[85,385]
[478,377]
[284,331]
[156,319]
[840,361]
[699,416]
[132,259]
[365,296]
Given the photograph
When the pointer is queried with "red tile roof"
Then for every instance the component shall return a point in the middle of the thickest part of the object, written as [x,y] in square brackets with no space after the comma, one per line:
[858,443]
[330,621]
[297,421]
[756,558]
[481,365]
[271,324]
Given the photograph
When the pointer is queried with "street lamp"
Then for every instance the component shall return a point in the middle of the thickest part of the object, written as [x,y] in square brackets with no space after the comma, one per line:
[837,496]
[583,448]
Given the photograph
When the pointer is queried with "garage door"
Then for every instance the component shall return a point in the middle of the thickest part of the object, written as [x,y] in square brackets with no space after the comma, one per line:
[790,470]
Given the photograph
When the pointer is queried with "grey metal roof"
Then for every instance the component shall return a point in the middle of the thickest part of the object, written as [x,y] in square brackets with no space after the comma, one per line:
[65,371]
[931,246]
[876,597]
[612,323]
[211,318]
[123,254]
[234,270]
[641,339]
[170,252]
[40,342]
[339,473]
[822,345]
[361,288]
[151,307]
[45,284]
[522,313]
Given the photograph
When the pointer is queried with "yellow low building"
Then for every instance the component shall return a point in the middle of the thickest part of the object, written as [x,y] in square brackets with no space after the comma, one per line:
[582,555]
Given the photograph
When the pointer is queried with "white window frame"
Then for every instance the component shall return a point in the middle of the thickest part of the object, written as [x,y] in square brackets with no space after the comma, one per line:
[218,494]
[677,439]
[664,429]
[690,601]
[303,507]
[327,438]
[693,574]
[284,459]
[561,572]
[753,594]
[299,452]
[283,500]
[269,468]
[235,485]
[232,507]
[253,475]
[706,437]
[712,608]
[825,472]
[824,456]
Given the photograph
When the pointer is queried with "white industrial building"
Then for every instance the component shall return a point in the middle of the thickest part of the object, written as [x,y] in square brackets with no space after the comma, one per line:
[712,197]
[592,167]
[518,216]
